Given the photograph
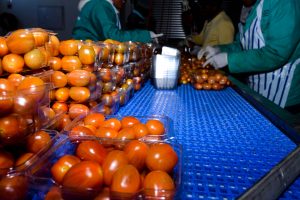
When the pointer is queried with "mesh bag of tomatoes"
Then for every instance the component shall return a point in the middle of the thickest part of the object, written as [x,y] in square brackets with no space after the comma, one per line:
[113,128]
[88,168]
[209,79]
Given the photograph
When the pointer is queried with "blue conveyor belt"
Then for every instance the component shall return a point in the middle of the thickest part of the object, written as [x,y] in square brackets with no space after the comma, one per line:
[227,144]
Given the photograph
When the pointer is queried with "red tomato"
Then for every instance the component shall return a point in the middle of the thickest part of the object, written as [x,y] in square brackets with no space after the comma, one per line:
[126,180]
[155,127]
[38,141]
[159,184]
[129,121]
[106,132]
[13,187]
[136,152]
[140,130]
[113,161]
[84,175]
[80,130]
[6,92]
[126,134]
[161,156]
[60,168]
[54,193]
[91,150]
[94,119]
[113,123]
[77,109]
[23,159]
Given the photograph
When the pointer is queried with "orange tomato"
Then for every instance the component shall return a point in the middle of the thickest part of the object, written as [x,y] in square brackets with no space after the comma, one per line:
[20,41]
[78,109]
[136,152]
[63,122]
[62,94]
[68,47]
[140,130]
[119,59]
[79,78]
[23,159]
[59,79]
[53,45]
[155,127]
[70,63]
[106,132]
[13,187]
[159,183]
[91,150]
[80,94]
[60,107]
[32,86]
[113,123]
[13,63]
[94,119]
[38,141]
[3,47]
[41,36]
[87,54]
[6,160]
[84,175]
[7,96]
[161,156]
[35,59]
[80,130]
[54,63]
[126,134]
[62,166]
[113,161]
[129,121]
[54,193]
[126,180]
[15,79]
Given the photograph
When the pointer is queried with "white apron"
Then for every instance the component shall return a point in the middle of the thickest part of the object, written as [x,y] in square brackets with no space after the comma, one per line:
[273,85]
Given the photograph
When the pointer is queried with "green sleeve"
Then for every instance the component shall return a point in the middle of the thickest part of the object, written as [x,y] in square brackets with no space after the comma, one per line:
[280,28]
[104,16]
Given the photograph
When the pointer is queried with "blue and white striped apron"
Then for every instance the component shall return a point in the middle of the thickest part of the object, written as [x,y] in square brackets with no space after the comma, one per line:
[273,85]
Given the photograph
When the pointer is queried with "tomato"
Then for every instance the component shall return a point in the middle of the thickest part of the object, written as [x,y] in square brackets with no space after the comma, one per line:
[155,127]
[126,134]
[79,78]
[6,95]
[84,175]
[107,100]
[20,41]
[79,94]
[62,94]
[15,79]
[41,36]
[70,63]
[53,45]
[54,193]
[87,54]
[62,166]
[3,47]
[113,161]
[140,130]
[60,107]
[13,187]
[113,123]
[13,63]
[32,86]
[23,159]
[78,109]
[91,150]
[118,58]
[136,152]
[63,122]
[104,194]
[80,130]
[35,59]
[38,141]
[161,156]
[159,184]
[6,160]
[94,119]
[128,121]
[24,104]
[59,79]
[68,47]
[106,132]
[105,75]
[54,63]
[126,180]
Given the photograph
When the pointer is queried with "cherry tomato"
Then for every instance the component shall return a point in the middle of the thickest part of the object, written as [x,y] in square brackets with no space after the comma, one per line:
[60,107]
[32,86]
[20,41]
[140,130]
[59,79]
[62,165]
[126,180]
[54,193]
[23,159]
[136,152]
[161,156]
[6,161]
[38,141]
[68,47]
[113,123]
[91,150]
[104,194]
[106,132]
[84,175]
[80,130]
[35,59]
[113,161]
[70,63]
[6,92]
[94,119]
[126,134]
[159,184]
[62,94]
[54,63]
[13,63]
[79,94]
[78,109]
[87,54]
[155,127]
[3,47]
[129,121]
[79,78]
[15,79]
[13,187]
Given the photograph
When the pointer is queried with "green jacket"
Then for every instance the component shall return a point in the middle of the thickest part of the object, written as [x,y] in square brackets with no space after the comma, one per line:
[280,26]
[97,21]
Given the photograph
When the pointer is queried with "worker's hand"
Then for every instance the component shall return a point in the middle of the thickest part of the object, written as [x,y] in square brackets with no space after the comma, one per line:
[217,61]
[208,52]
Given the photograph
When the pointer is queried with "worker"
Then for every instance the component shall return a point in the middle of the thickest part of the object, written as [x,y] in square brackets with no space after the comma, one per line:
[267,49]
[218,27]
[99,20]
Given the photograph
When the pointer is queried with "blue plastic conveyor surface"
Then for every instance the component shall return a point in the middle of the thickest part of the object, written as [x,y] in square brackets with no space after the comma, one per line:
[227,144]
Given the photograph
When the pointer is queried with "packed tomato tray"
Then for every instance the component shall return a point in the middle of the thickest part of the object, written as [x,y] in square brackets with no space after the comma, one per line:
[60,135]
